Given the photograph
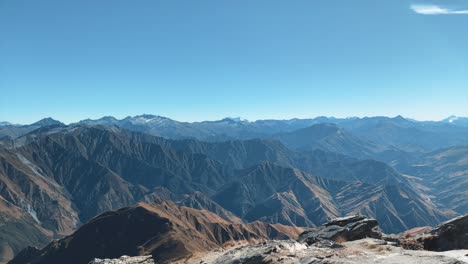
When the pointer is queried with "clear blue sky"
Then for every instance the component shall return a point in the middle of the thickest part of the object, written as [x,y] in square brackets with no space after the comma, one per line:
[207,59]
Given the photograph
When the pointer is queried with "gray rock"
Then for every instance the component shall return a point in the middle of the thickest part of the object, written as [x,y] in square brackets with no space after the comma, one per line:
[342,229]
[449,235]
[343,221]
[124,260]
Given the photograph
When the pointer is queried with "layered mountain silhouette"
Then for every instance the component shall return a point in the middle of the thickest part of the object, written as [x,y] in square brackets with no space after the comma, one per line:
[399,132]
[300,173]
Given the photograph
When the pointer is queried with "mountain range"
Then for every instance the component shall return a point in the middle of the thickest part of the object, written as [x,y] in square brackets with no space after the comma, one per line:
[298,173]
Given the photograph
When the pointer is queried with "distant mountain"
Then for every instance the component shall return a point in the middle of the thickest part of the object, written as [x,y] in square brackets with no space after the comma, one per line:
[329,137]
[381,132]
[4,123]
[14,131]
[163,230]
[456,120]
[406,134]
[225,129]
[153,125]
[46,122]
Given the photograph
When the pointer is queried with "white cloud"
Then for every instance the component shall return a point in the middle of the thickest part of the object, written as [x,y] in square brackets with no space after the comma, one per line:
[436,10]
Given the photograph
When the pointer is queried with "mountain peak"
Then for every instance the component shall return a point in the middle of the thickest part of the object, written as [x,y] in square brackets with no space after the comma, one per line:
[399,117]
[450,119]
[47,122]
[5,123]
[147,118]
[233,120]
[108,118]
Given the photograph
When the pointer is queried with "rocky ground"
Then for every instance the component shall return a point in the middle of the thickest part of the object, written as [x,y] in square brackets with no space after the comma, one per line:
[361,251]
[353,239]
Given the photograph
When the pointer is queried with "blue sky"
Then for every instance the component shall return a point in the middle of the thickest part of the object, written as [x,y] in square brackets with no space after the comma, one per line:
[207,59]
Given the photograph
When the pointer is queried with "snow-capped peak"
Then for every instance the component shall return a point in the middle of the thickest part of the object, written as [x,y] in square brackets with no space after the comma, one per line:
[145,119]
[451,119]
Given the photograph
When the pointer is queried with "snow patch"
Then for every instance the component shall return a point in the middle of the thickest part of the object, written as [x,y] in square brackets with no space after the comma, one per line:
[30,165]
[30,210]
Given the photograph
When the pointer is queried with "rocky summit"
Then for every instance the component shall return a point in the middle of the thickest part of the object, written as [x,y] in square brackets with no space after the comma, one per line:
[124,260]
[364,251]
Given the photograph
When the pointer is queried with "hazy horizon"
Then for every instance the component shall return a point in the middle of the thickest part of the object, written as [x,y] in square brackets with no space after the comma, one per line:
[218,119]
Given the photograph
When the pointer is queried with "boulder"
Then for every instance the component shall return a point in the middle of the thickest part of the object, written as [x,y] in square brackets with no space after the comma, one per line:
[392,239]
[342,229]
[124,260]
[449,235]
[343,221]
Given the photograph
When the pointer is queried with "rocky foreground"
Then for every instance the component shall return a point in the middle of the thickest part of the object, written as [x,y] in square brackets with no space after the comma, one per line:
[353,239]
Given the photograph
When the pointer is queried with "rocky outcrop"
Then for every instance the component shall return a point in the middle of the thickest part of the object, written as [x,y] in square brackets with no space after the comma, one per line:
[449,235]
[342,229]
[125,260]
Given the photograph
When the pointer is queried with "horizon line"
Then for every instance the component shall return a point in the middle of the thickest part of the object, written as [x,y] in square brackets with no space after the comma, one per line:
[240,119]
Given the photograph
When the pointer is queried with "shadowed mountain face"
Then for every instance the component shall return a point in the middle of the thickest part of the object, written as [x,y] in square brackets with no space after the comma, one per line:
[162,229]
[62,176]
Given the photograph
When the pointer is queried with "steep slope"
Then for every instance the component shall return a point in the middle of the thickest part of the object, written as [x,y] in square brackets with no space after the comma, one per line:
[240,154]
[397,207]
[18,229]
[260,182]
[444,172]
[450,183]
[104,169]
[200,201]
[163,230]
[25,185]
[271,193]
